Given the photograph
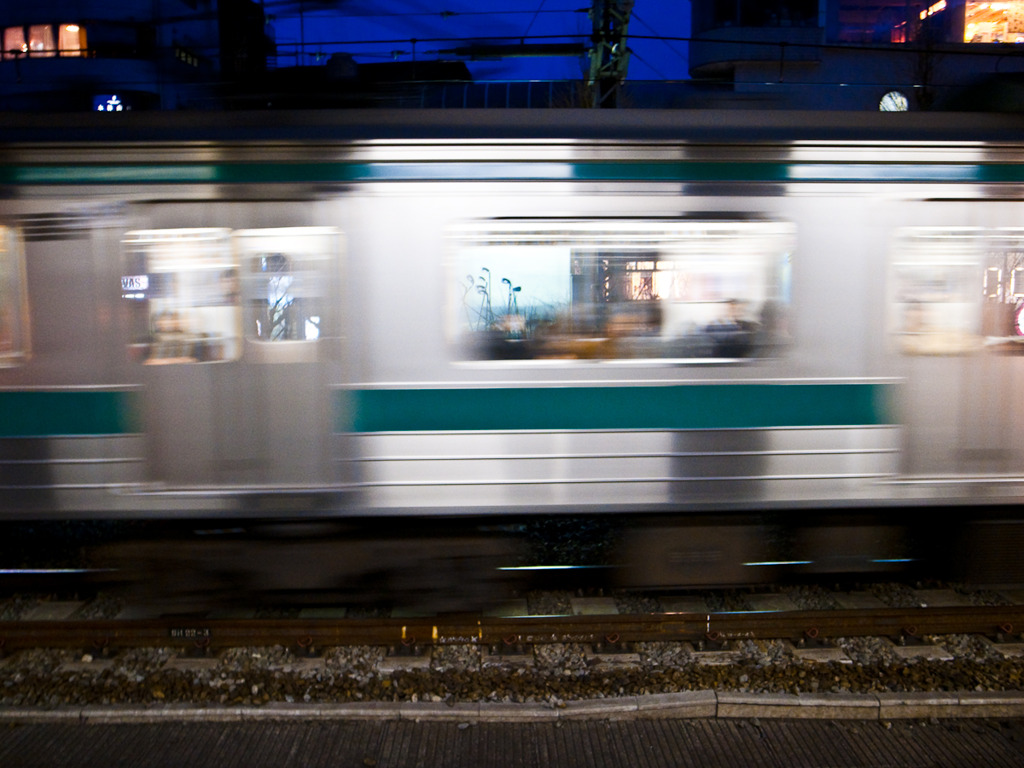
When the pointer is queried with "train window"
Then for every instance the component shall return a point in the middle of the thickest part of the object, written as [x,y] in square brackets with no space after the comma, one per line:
[938,283]
[14,336]
[957,290]
[283,282]
[183,288]
[618,289]
[1002,316]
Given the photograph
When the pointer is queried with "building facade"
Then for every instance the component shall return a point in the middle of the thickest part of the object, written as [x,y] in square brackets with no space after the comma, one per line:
[77,55]
[861,54]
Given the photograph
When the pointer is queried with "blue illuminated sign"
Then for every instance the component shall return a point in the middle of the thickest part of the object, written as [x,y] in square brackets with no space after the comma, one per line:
[110,102]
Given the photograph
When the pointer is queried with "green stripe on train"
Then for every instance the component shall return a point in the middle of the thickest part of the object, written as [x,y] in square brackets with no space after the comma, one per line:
[708,406]
[269,173]
[70,412]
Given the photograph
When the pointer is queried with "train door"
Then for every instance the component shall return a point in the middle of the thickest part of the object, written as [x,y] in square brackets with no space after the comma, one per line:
[231,333]
[955,309]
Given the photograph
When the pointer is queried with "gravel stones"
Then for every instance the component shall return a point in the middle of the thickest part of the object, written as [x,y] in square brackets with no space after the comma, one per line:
[551,674]
[555,674]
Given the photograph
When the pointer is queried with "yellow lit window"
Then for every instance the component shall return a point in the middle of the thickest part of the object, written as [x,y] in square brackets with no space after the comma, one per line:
[41,41]
[994,22]
[72,40]
[14,42]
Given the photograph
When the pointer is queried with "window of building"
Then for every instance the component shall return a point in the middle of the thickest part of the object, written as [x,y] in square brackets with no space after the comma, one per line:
[994,22]
[186,56]
[15,44]
[950,21]
[14,336]
[72,40]
[183,285]
[765,13]
[877,21]
[41,41]
[616,290]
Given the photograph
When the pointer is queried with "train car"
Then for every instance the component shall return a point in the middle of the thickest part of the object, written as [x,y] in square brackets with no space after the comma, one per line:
[764,342]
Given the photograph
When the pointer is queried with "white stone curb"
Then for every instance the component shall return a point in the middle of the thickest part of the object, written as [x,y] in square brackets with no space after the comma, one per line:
[689,704]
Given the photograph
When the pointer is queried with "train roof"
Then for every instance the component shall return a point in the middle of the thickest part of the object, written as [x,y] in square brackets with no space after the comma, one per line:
[687,126]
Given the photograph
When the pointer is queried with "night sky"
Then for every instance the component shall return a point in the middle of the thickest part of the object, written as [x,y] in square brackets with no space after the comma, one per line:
[382,30]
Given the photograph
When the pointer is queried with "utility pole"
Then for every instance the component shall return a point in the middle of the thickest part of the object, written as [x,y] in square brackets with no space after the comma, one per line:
[609,56]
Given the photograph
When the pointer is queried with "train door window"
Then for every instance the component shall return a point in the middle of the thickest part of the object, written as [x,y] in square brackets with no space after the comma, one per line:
[616,290]
[1002,317]
[183,290]
[284,285]
[938,283]
[14,328]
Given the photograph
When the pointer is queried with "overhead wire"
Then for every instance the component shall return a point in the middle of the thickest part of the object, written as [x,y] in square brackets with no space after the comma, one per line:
[634,55]
[534,18]
[635,17]
[397,47]
[431,14]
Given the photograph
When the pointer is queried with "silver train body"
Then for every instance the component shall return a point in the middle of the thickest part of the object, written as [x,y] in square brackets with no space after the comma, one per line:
[425,314]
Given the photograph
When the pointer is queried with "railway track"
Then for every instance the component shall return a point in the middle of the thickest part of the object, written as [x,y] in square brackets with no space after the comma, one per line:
[705,629]
[56,653]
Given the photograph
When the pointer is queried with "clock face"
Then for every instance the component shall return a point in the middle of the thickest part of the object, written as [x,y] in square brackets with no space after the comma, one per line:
[893,101]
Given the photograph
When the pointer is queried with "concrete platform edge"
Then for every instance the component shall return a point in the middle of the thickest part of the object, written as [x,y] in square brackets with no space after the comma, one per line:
[683,705]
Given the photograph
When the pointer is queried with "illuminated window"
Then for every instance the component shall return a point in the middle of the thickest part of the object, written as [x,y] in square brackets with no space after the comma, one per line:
[15,44]
[283,281]
[14,337]
[41,41]
[937,7]
[620,290]
[183,289]
[72,40]
[958,289]
[994,22]
[937,284]
[1003,291]
[186,56]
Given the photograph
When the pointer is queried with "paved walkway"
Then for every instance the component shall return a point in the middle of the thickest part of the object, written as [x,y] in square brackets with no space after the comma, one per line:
[638,743]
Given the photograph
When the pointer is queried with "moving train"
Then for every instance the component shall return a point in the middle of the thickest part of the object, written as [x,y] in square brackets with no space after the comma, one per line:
[764,344]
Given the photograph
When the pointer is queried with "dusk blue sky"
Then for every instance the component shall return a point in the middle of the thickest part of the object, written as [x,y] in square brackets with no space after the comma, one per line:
[382,30]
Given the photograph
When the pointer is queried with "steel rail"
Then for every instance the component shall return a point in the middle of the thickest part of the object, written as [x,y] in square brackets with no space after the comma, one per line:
[205,634]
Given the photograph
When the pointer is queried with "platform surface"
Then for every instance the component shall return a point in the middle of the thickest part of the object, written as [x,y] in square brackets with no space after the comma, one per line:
[710,743]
